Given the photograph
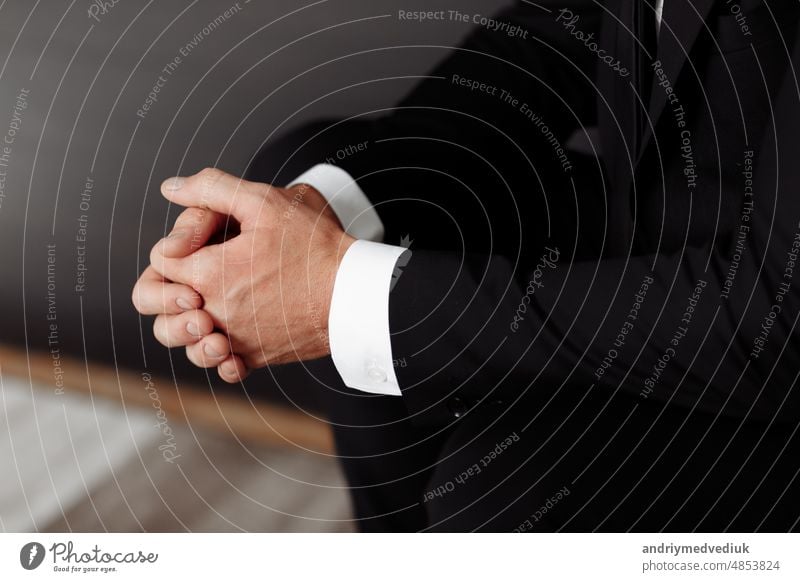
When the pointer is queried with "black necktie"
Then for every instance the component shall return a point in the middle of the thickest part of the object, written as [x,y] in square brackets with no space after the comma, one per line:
[646,48]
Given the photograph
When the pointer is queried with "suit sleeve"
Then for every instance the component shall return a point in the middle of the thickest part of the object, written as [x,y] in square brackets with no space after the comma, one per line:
[707,327]
[465,114]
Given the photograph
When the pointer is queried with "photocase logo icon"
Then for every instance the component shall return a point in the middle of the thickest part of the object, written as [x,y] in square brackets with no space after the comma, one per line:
[402,260]
[31,555]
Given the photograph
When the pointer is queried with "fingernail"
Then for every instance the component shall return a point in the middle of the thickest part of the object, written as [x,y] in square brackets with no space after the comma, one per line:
[211,352]
[176,233]
[175,183]
[193,329]
[183,304]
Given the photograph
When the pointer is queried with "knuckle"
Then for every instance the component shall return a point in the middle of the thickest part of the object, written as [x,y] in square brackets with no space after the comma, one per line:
[262,190]
[258,196]
[156,258]
[269,195]
[209,173]
[253,361]
[206,179]
[200,277]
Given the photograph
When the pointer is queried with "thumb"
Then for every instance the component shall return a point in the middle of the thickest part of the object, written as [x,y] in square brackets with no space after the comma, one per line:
[216,190]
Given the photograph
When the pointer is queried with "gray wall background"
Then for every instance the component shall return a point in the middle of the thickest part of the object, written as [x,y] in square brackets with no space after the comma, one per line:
[269,67]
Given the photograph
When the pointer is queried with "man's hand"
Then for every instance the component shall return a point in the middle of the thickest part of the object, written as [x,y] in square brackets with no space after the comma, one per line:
[268,289]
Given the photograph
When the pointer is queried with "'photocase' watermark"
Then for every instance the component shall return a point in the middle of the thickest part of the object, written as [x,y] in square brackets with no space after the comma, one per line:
[402,261]
[569,20]
[169,447]
[100,8]
[548,261]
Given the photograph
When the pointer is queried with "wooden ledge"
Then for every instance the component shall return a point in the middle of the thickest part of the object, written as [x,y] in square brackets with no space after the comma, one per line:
[251,421]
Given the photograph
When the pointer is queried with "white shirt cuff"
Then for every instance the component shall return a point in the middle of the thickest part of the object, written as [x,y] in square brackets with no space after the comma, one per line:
[358,324]
[347,200]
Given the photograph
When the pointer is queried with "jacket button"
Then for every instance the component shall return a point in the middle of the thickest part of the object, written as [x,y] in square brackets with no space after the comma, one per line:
[457,407]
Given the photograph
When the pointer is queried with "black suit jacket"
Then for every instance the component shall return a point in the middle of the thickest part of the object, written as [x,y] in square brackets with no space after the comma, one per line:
[673,280]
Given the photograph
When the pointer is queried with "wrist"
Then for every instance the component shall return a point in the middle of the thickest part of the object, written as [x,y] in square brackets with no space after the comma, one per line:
[322,293]
[307,194]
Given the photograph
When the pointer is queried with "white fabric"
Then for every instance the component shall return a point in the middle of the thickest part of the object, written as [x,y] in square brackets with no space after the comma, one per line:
[361,345]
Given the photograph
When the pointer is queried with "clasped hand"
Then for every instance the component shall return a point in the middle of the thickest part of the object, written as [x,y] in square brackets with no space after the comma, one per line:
[257,298]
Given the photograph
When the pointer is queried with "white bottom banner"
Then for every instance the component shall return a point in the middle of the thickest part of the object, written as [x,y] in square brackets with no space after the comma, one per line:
[401,557]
